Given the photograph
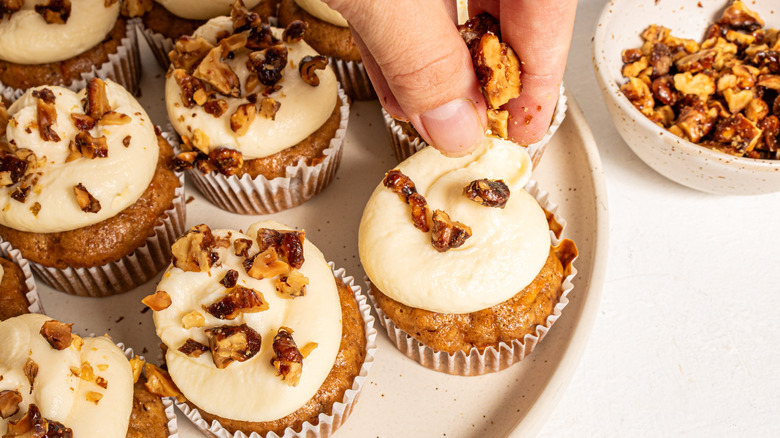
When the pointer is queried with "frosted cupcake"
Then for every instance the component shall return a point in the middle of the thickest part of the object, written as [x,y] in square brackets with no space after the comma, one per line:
[86,189]
[69,386]
[164,21]
[328,33]
[464,270]
[259,112]
[18,293]
[65,43]
[260,334]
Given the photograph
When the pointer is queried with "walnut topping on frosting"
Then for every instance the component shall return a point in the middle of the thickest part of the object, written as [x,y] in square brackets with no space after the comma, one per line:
[160,300]
[12,168]
[47,114]
[57,334]
[10,6]
[33,425]
[229,279]
[233,343]
[193,348]
[54,11]
[97,99]
[218,74]
[287,359]
[194,250]
[404,187]
[242,119]
[238,300]
[189,51]
[87,202]
[291,285]
[115,118]
[490,193]
[419,207]
[135,8]
[289,244]
[243,18]
[269,107]
[227,161]
[309,66]
[189,86]
[241,247]
[268,64]
[295,31]
[136,365]
[31,372]
[193,319]
[159,383]
[265,264]
[446,233]
[9,403]
[88,146]
[83,122]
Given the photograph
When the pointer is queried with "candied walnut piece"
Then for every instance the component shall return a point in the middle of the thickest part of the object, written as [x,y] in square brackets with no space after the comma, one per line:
[238,300]
[159,383]
[696,62]
[233,343]
[47,116]
[309,66]
[292,248]
[57,334]
[738,132]
[265,264]
[115,118]
[55,11]
[135,8]
[696,121]
[189,85]
[269,107]
[227,161]
[193,251]
[216,107]
[243,18]
[229,279]
[12,166]
[476,27]
[738,16]
[660,59]
[242,119]
[31,372]
[20,193]
[233,43]
[189,51]
[295,31]
[490,193]
[217,73]
[9,403]
[497,69]
[97,99]
[446,233]
[261,37]
[94,397]
[87,202]
[498,123]
[292,285]
[770,127]
[241,247]
[287,359]
[399,183]
[83,122]
[630,56]
[184,160]
[420,210]
[10,6]
[193,319]
[268,64]
[33,425]
[193,348]
[663,90]
[91,147]
[701,85]
[159,300]
[639,94]
[136,365]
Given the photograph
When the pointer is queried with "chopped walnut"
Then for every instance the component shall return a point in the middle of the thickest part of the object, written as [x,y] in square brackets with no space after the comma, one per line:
[241,247]
[242,119]
[189,85]
[291,285]
[89,146]
[490,193]
[227,161]
[238,300]
[498,123]
[261,37]
[94,397]
[215,107]
[159,383]
[87,202]
[34,425]
[200,141]
[47,117]
[57,334]
[159,300]
[10,6]
[229,279]
[194,250]
[193,348]
[639,94]
[97,99]
[233,43]
[135,8]
[740,17]
[217,73]
[399,183]
[289,244]
[738,132]
[269,107]
[54,11]
[114,118]
[30,370]
[660,59]
[265,264]
[189,51]
[13,167]
[233,343]
[136,365]
[696,120]
[287,359]
[309,66]
[295,31]
[268,64]
[243,18]
[9,403]
[447,234]
[193,319]
[419,207]
[184,160]
[83,122]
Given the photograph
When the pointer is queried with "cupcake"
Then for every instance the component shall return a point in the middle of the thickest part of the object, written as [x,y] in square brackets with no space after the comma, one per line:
[18,294]
[68,386]
[165,21]
[463,268]
[65,43]
[86,189]
[328,33]
[260,114]
[260,335]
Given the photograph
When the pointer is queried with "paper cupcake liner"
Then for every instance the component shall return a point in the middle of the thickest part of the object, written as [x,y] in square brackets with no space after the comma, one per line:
[353,77]
[129,271]
[34,300]
[122,67]
[247,195]
[492,359]
[160,44]
[170,413]
[326,424]
[405,145]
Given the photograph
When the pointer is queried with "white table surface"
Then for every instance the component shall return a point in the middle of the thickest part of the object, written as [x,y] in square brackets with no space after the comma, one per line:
[686,340]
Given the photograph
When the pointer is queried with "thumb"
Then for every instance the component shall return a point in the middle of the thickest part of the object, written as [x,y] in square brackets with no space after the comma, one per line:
[424,68]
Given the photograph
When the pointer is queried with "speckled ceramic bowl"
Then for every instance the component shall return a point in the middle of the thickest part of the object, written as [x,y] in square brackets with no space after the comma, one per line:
[686,163]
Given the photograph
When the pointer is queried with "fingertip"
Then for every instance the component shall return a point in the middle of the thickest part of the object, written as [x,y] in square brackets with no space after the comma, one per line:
[455,128]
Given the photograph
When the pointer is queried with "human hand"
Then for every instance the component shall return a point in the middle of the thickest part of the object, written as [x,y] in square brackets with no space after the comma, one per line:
[422,70]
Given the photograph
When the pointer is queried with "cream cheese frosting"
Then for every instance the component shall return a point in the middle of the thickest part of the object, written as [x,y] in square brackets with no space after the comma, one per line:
[116,181]
[202,9]
[59,394]
[250,390]
[506,251]
[28,39]
[303,109]
[322,11]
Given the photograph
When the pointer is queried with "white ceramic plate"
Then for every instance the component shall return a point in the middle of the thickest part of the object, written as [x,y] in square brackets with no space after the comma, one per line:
[402,398]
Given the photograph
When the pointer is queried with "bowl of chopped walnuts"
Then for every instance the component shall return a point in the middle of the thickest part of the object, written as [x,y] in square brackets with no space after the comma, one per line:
[693,87]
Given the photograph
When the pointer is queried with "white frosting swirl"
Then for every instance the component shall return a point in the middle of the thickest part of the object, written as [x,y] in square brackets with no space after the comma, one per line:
[322,11]
[117,180]
[59,394]
[249,390]
[303,108]
[28,39]
[506,251]
[202,9]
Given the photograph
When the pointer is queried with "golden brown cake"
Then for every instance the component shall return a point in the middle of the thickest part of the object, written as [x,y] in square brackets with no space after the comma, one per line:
[13,290]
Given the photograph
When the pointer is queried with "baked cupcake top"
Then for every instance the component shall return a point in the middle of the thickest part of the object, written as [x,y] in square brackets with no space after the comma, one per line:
[50,31]
[71,160]
[85,385]
[231,309]
[475,255]
[215,96]
[201,9]
[322,11]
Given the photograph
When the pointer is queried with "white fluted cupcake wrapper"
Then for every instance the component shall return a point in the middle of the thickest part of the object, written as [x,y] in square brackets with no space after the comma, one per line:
[353,77]
[122,67]
[6,250]
[326,424]
[405,145]
[247,195]
[492,359]
[170,412]
[129,271]
[160,44]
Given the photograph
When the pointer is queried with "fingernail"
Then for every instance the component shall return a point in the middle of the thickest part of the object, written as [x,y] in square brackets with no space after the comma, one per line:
[454,128]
